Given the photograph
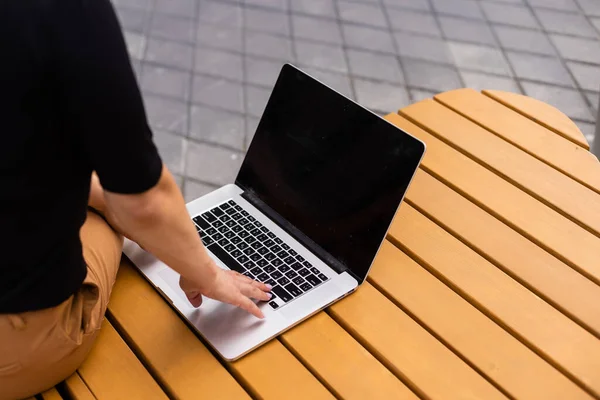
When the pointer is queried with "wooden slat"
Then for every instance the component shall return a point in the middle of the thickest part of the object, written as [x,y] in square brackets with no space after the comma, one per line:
[549,277]
[51,394]
[540,142]
[112,371]
[558,235]
[429,368]
[547,184]
[182,362]
[524,314]
[542,113]
[349,370]
[494,352]
[77,389]
[256,370]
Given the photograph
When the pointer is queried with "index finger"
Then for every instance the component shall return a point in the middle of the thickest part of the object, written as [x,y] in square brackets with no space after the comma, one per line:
[248,305]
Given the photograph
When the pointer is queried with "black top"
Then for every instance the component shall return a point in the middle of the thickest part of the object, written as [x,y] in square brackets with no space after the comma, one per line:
[69,104]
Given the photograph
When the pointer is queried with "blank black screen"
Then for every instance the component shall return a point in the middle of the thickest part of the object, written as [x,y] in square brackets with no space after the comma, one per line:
[333,170]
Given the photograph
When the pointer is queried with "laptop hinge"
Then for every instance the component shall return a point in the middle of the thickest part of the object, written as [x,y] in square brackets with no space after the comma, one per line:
[296,234]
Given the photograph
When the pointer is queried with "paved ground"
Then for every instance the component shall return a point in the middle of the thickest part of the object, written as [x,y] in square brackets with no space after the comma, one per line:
[206,67]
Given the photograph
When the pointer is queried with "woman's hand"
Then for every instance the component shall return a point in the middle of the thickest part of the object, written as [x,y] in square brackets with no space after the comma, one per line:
[229,287]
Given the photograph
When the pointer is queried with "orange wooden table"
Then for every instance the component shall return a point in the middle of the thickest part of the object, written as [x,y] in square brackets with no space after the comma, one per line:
[487,287]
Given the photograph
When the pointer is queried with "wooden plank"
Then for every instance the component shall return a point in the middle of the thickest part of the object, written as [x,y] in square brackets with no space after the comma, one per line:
[429,368]
[541,113]
[485,345]
[181,361]
[77,389]
[561,237]
[545,183]
[112,371]
[540,142]
[543,273]
[51,394]
[544,329]
[349,370]
[258,369]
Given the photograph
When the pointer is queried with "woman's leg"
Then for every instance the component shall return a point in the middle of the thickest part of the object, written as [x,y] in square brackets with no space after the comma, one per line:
[40,349]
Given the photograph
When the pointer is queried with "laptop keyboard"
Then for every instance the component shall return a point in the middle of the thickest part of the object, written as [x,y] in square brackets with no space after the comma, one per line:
[248,247]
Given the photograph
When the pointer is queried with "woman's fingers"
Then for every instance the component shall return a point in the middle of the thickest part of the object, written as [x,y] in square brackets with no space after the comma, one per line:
[254,292]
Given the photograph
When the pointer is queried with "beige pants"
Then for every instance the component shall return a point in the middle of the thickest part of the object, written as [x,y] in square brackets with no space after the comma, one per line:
[41,348]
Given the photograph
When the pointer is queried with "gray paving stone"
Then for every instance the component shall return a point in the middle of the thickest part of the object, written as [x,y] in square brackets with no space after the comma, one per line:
[539,68]
[137,69]
[267,21]
[424,75]
[479,58]
[413,21]
[139,4]
[596,23]
[368,14]
[375,66]
[214,126]
[424,48]
[260,44]
[587,76]
[170,53]
[380,97]
[590,7]
[167,114]
[181,8]
[461,8]
[321,56]
[133,20]
[212,164]
[166,81]
[368,38]
[337,81]
[219,63]
[509,14]
[262,72]
[422,5]
[588,130]
[219,37]
[281,5]
[568,101]
[173,28]
[564,5]
[418,95]
[256,100]
[251,126]
[593,99]
[172,149]
[179,181]
[136,45]
[467,31]
[577,49]
[193,190]
[524,40]
[316,29]
[566,23]
[221,14]
[480,81]
[323,8]
[218,93]
[519,2]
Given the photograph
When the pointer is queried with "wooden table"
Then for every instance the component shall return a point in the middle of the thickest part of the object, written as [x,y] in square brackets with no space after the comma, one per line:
[487,287]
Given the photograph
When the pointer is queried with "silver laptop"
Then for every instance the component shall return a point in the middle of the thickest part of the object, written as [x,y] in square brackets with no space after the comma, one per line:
[309,209]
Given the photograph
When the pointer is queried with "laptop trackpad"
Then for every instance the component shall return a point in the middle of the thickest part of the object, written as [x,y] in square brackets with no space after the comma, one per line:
[171,278]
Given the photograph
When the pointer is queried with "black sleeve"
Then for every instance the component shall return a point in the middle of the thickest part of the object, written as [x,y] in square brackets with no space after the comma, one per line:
[102,96]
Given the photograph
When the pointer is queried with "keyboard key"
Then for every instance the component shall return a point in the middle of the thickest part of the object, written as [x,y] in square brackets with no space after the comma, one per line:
[236,253]
[276,249]
[288,260]
[244,213]
[208,241]
[277,262]
[223,242]
[313,270]
[225,206]
[249,265]
[251,218]
[306,286]
[199,230]
[278,241]
[201,222]
[296,266]
[282,293]
[312,279]
[229,234]
[271,282]
[242,233]
[211,231]
[298,280]
[251,240]
[291,274]
[276,275]
[217,224]
[283,281]
[217,211]
[226,258]
[323,277]
[217,236]
[262,263]
[241,245]
[300,258]
[229,248]
[293,289]
[255,245]
[237,240]
[307,264]
[255,257]
[209,217]
[293,252]
[264,229]
[255,232]
[230,223]
[247,251]
[242,259]
[256,271]
[304,272]
[270,256]
[285,246]
[284,268]
[248,274]
[258,224]
[236,228]
[238,208]
[263,250]
[263,277]
[243,221]
[236,216]
[274,305]
[230,211]
[271,235]
[231,203]
[223,229]
[262,237]
[269,243]
[269,268]
[225,218]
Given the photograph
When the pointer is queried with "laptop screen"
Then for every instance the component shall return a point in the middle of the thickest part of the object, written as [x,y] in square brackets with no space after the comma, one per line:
[331,169]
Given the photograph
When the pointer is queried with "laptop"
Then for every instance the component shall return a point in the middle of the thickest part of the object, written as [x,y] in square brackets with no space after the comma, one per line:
[307,213]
